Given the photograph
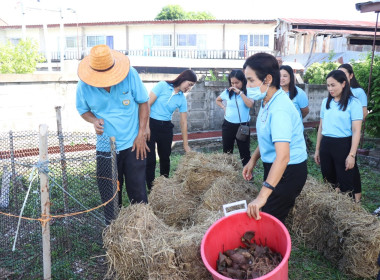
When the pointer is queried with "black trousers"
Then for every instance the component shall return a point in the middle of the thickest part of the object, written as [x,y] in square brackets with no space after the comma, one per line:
[282,199]
[130,170]
[229,131]
[333,153]
[161,132]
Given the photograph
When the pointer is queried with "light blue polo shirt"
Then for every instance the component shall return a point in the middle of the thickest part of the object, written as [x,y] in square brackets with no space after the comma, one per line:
[337,123]
[232,114]
[119,109]
[279,121]
[360,94]
[300,101]
[167,102]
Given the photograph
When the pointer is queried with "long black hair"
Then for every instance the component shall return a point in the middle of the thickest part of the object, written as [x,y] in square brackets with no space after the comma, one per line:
[187,75]
[238,74]
[292,87]
[340,77]
[264,64]
[353,82]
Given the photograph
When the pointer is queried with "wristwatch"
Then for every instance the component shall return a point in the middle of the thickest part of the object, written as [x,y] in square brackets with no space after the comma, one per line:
[352,155]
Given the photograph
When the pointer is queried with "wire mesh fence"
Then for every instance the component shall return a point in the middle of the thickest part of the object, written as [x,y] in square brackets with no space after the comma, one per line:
[82,187]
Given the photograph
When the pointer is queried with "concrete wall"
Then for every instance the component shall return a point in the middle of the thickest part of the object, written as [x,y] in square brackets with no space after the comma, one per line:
[26,101]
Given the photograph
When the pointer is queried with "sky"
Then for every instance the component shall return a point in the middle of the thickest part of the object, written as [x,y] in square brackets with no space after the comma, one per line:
[114,10]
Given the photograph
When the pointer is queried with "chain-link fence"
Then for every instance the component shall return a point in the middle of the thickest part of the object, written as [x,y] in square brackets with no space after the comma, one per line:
[82,187]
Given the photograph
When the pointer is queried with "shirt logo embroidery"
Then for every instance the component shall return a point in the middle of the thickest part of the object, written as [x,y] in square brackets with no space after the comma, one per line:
[126,102]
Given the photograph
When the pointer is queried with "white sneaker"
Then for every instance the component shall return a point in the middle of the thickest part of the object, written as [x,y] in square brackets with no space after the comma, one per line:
[376,212]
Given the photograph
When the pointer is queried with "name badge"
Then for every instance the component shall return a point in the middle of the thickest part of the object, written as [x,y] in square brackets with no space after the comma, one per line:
[126,102]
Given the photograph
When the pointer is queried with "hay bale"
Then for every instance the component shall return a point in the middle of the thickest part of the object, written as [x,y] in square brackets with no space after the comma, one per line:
[132,242]
[225,190]
[141,246]
[341,230]
[198,171]
[172,202]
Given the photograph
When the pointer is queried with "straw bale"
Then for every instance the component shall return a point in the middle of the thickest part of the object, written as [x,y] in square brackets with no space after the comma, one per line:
[341,230]
[227,190]
[199,170]
[141,246]
[129,240]
[171,201]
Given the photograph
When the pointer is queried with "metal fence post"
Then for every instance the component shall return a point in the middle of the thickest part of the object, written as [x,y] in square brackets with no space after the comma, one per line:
[13,167]
[115,202]
[63,157]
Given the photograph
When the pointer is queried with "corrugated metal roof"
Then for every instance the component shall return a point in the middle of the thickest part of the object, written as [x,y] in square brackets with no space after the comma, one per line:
[334,31]
[215,21]
[329,22]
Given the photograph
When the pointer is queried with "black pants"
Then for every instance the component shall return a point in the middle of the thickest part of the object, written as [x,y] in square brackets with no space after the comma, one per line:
[229,131]
[333,153]
[130,170]
[161,132]
[282,199]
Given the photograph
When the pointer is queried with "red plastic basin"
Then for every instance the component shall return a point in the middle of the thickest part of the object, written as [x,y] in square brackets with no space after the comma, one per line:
[225,234]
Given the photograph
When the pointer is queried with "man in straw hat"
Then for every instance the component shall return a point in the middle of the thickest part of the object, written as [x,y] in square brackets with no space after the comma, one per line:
[112,97]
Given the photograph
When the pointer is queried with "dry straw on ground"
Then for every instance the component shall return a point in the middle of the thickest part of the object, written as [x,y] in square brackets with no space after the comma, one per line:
[341,230]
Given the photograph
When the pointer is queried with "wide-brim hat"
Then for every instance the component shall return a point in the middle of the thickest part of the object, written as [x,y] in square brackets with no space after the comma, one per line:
[103,67]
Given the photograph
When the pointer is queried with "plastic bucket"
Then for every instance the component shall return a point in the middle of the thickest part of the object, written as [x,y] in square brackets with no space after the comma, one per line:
[225,234]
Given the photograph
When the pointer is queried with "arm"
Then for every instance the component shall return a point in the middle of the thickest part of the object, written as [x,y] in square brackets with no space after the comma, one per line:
[350,160]
[183,123]
[305,111]
[219,102]
[140,141]
[365,112]
[152,99]
[98,123]
[318,144]
[247,170]
[247,101]
[275,174]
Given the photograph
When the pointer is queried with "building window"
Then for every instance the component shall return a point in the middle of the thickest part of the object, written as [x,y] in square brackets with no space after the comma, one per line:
[186,40]
[95,40]
[14,41]
[162,40]
[71,42]
[259,40]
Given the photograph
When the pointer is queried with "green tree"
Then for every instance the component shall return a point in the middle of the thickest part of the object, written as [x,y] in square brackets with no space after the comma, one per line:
[317,72]
[19,59]
[172,12]
[199,15]
[361,70]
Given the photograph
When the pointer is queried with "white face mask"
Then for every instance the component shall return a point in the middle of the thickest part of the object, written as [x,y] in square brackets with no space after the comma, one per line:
[255,93]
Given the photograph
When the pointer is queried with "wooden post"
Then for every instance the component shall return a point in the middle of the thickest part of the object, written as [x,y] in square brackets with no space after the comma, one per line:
[63,157]
[115,202]
[45,202]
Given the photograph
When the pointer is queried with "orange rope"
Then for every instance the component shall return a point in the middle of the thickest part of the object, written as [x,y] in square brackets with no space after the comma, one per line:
[48,218]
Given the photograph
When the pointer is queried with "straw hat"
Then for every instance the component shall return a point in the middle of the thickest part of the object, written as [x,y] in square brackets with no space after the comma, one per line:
[103,67]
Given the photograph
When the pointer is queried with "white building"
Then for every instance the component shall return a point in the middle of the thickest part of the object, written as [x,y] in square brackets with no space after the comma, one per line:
[222,39]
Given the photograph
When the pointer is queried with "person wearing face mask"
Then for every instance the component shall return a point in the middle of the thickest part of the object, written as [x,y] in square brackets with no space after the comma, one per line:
[281,144]
[164,99]
[236,112]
